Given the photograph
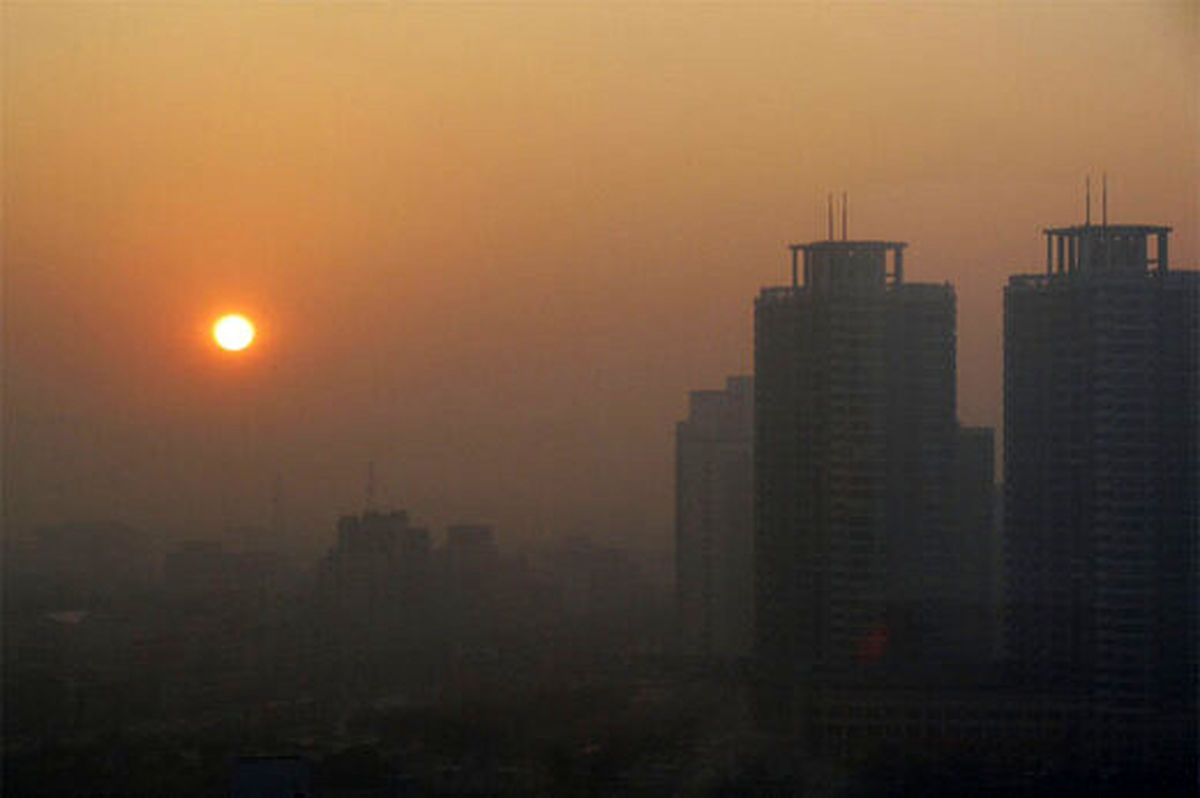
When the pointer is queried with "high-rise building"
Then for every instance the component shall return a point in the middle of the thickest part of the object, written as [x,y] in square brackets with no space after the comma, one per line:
[856,532]
[374,597]
[1101,481]
[714,521]
[377,575]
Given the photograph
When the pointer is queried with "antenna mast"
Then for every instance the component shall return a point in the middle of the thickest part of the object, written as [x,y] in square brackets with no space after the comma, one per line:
[1104,200]
[1087,193]
[844,215]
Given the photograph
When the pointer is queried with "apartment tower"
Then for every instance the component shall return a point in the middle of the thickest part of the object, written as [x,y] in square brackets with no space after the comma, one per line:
[856,436]
[1101,483]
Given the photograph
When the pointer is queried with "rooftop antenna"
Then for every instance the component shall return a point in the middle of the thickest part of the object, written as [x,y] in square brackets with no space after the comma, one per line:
[1087,193]
[370,485]
[829,204]
[1104,199]
[844,215]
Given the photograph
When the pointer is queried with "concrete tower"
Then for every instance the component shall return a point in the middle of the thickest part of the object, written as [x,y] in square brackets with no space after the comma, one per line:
[855,444]
[1101,480]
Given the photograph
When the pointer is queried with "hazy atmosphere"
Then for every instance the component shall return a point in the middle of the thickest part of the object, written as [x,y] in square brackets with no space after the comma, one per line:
[491,247]
[590,398]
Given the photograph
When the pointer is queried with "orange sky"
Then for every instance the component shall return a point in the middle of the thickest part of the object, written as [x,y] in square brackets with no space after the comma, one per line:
[492,246]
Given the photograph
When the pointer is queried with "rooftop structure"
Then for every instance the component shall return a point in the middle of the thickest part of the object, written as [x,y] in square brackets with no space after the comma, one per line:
[1129,248]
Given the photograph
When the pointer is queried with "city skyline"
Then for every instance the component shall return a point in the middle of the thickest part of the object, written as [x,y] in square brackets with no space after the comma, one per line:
[411,398]
[490,249]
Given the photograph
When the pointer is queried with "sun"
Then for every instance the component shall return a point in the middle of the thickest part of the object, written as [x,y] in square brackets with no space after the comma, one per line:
[233,333]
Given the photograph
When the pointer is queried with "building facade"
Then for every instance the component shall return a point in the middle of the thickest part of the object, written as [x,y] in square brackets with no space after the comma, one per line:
[857,529]
[1101,480]
[714,528]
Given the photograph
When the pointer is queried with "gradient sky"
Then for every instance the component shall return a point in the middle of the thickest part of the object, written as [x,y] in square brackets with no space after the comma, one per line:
[492,246]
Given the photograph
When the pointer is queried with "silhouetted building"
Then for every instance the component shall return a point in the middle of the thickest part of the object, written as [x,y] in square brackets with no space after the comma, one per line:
[380,567]
[857,532]
[373,589]
[714,521]
[379,557]
[1101,479]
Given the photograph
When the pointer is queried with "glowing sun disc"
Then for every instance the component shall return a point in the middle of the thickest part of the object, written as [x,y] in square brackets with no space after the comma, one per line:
[233,333]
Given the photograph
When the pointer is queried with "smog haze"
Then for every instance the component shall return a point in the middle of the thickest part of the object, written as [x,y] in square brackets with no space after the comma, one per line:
[490,248]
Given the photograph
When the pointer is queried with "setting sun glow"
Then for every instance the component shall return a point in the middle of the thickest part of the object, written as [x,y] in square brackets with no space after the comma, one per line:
[233,333]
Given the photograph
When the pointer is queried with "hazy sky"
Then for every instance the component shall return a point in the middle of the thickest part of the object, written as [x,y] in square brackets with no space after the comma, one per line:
[492,246]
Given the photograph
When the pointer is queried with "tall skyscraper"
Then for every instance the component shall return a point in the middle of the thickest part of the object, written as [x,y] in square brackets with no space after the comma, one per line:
[856,528]
[1101,480]
[714,526]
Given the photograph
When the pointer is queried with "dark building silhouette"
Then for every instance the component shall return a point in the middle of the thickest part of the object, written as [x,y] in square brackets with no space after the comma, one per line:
[859,529]
[1101,482]
[380,560]
[374,597]
[714,522]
